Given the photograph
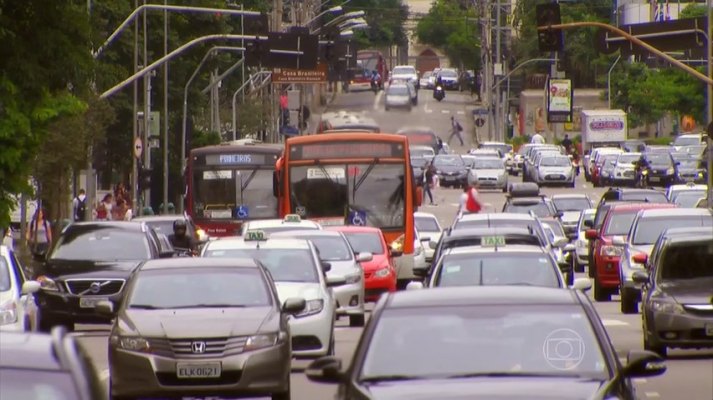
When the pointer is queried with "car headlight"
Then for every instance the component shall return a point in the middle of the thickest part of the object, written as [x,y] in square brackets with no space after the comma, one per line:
[261,341]
[610,251]
[8,313]
[130,343]
[667,307]
[47,283]
[353,278]
[312,307]
[382,272]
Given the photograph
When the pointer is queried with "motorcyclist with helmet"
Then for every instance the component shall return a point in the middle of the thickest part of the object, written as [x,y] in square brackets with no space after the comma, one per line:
[641,165]
[180,239]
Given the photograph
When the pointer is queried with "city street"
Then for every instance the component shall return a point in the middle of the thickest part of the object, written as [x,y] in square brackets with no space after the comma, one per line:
[690,373]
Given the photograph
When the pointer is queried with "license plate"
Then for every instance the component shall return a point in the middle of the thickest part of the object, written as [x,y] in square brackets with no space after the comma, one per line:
[90,302]
[450,178]
[654,179]
[198,371]
[709,329]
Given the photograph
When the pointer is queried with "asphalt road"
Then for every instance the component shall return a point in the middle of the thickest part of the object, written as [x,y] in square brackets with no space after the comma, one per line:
[690,373]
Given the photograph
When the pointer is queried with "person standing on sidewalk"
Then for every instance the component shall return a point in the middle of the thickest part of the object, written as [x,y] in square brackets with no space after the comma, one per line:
[456,129]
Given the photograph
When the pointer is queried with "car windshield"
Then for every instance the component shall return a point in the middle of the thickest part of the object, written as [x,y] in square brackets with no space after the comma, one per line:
[661,159]
[620,223]
[285,265]
[454,341]
[488,164]
[448,161]
[5,282]
[687,141]
[37,384]
[217,193]
[198,288]
[331,248]
[586,216]
[365,242]
[398,90]
[649,229]
[556,228]
[426,224]
[403,71]
[101,243]
[501,268]
[165,227]
[688,199]
[418,162]
[555,162]
[627,158]
[504,148]
[687,261]
[419,153]
[571,204]
[540,208]
[375,190]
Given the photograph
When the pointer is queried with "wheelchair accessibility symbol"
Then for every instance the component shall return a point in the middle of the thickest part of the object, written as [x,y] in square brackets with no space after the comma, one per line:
[301,211]
[242,212]
[357,218]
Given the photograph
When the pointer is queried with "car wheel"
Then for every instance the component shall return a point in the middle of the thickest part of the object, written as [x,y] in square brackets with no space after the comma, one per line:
[356,320]
[628,304]
[600,293]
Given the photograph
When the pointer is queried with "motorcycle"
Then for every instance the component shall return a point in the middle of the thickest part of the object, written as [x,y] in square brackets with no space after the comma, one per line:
[438,93]
[183,252]
[642,179]
[375,85]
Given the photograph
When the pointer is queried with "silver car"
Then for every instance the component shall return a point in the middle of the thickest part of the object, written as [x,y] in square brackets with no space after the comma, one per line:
[398,96]
[490,173]
[406,72]
[555,169]
[344,267]
[297,272]
[581,244]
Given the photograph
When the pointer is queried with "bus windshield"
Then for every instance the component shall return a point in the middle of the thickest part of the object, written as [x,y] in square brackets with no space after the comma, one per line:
[217,193]
[334,190]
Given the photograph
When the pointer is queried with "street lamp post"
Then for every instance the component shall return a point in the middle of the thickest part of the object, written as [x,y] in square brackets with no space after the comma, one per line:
[609,80]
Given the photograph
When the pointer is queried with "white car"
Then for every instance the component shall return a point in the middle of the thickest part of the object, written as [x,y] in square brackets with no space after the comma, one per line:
[624,170]
[291,222]
[425,80]
[581,243]
[406,72]
[407,262]
[297,272]
[675,190]
[430,230]
[398,95]
[18,310]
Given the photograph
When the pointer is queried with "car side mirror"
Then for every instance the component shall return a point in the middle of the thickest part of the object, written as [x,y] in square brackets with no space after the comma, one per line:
[294,305]
[326,369]
[365,257]
[326,267]
[589,223]
[642,363]
[641,277]
[640,258]
[421,271]
[105,308]
[618,241]
[414,285]
[582,284]
[591,234]
[336,281]
[30,287]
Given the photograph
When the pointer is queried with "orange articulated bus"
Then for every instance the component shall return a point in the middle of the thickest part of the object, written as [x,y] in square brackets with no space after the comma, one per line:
[350,179]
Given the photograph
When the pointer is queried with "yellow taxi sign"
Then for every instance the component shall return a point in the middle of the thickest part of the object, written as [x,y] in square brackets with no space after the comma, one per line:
[292,218]
[255,236]
[492,241]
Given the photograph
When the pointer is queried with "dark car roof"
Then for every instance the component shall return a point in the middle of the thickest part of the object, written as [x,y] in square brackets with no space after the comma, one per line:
[28,350]
[481,295]
[198,262]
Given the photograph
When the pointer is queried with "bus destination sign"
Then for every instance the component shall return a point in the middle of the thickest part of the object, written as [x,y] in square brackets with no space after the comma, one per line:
[356,149]
[236,159]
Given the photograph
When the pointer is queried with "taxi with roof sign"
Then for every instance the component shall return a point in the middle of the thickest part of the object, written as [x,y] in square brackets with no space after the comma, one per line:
[291,222]
[297,272]
[494,262]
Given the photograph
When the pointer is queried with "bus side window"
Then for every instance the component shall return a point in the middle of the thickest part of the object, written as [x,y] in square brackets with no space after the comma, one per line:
[276,183]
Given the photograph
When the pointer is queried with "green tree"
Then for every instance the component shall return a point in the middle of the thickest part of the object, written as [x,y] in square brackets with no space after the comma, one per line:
[582,63]
[452,28]
[694,11]
[386,20]
[44,52]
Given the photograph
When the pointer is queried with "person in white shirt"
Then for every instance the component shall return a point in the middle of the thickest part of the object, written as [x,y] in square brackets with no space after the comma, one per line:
[537,139]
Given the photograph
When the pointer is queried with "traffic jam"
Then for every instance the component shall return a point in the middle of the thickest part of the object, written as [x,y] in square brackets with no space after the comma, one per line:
[280,247]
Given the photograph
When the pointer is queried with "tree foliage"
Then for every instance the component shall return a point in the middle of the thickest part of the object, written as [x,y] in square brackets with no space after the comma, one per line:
[649,94]
[386,20]
[694,10]
[44,62]
[582,62]
[450,27]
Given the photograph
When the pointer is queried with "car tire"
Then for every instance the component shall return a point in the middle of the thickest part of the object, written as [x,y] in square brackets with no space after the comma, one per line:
[601,294]
[628,304]
[356,321]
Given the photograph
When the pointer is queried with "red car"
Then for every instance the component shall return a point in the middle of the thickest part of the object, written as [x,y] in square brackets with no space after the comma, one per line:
[617,222]
[379,273]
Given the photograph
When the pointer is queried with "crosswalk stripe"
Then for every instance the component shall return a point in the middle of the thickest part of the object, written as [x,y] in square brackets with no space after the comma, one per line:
[461,112]
[446,111]
[614,322]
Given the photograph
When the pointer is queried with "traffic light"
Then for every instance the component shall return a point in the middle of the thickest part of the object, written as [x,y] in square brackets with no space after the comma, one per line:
[549,39]
[144,179]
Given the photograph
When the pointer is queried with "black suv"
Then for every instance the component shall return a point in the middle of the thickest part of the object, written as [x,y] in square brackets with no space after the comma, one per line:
[90,262]
[55,365]
[525,198]
[663,169]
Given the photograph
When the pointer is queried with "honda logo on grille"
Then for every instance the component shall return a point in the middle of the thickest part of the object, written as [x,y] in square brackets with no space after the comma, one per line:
[198,347]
